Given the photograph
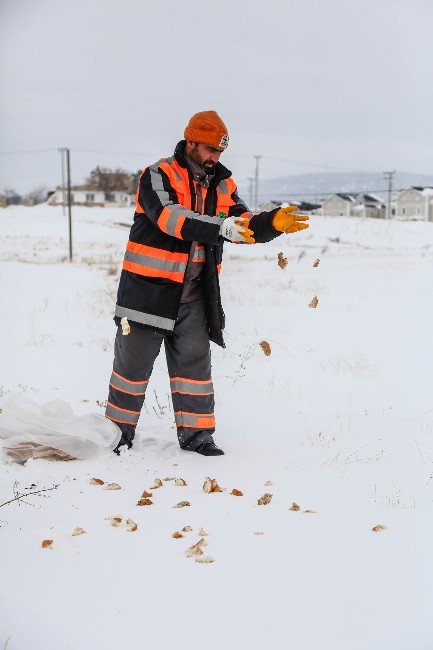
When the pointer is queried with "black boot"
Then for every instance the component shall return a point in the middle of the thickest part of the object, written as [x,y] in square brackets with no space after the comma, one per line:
[128,433]
[209,449]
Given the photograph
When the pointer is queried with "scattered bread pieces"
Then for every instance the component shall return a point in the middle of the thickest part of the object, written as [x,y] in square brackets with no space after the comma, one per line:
[115,521]
[180,482]
[182,504]
[78,531]
[146,494]
[258,532]
[265,347]
[144,502]
[282,261]
[211,485]
[186,529]
[193,551]
[132,526]
[112,486]
[205,559]
[157,484]
[310,512]
[314,302]
[96,481]
[265,499]
[294,507]
[379,527]
[47,543]
[126,328]
[177,535]
[268,483]
[237,493]
[316,263]
[202,533]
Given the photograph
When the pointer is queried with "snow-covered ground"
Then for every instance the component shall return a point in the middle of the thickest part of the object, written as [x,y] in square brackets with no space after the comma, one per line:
[339,418]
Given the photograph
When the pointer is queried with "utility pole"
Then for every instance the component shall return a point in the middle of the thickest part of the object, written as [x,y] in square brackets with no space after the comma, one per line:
[388,176]
[68,181]
[256,188]
[250,180]
[63,180]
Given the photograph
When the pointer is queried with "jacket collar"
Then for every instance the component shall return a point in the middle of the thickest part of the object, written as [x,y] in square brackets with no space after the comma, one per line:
[221,172]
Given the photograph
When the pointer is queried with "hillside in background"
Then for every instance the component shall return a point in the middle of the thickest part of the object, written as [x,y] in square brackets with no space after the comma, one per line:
[316,186]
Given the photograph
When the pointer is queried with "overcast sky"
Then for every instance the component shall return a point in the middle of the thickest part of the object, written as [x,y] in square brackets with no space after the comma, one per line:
[344,84]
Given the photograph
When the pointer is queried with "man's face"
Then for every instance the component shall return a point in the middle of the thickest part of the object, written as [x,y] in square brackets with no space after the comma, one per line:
[204,155]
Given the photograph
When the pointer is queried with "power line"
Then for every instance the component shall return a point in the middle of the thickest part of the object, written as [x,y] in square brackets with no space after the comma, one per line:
[13,153]
[319,193]
[298,163]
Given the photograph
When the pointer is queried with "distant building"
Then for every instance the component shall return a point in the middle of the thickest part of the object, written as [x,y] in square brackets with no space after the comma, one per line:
[415,203]
[303,206]
[91,196]
[270,205]
[343,204]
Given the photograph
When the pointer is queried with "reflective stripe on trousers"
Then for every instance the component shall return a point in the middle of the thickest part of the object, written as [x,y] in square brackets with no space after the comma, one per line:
[188,357]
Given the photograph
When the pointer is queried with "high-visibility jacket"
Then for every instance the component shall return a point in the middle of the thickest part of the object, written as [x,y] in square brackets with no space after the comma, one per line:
[172,211]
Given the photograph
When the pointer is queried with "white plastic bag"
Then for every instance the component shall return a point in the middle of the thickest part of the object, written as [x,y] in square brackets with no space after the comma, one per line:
[51,430]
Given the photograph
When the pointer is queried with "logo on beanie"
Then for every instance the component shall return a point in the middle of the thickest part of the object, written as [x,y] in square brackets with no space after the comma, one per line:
[224,141]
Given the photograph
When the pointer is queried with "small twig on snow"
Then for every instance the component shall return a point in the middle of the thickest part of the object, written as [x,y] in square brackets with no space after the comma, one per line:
[18,496]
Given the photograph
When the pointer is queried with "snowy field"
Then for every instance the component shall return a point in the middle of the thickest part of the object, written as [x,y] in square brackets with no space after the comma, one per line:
[339,418]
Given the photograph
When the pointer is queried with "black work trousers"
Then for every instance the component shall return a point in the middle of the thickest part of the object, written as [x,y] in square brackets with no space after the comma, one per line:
[188,357]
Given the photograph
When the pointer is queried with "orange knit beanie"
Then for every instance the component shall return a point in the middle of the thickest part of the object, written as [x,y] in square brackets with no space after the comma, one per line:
[208,128]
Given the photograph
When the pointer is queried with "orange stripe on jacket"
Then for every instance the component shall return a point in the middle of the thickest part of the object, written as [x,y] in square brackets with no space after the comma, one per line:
[179,224]
[163,219]
[160,254]
[140,269]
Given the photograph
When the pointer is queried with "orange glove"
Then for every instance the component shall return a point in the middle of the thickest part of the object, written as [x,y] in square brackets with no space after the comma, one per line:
[286,221]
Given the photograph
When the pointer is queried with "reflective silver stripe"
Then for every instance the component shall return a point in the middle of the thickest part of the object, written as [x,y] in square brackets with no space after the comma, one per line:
[178,211]
[155,263]
[223,187]
[134,387]
[205,218]
[145,319]
[191,388]
[199,255]
[186,419]
[121,415]
[157,184]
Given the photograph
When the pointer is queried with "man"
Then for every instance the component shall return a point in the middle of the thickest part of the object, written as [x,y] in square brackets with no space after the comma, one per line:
[186,207]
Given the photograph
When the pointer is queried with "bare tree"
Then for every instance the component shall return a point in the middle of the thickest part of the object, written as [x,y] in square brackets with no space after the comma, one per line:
[12,197]
[110,180]
[38,195]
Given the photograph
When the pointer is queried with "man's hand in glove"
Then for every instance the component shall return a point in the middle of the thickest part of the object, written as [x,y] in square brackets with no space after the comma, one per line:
[286,221]
[236,230]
